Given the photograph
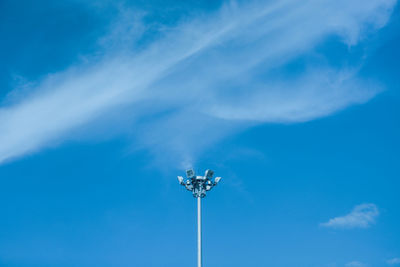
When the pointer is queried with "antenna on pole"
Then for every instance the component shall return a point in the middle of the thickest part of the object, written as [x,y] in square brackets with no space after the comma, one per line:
[199,185]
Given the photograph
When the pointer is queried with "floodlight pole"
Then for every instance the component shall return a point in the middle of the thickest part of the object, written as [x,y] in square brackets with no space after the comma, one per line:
[199,185]
[199,232]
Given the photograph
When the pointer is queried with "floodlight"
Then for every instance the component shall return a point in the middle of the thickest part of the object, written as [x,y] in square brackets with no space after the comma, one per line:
[199,185]
[190,173]
[209,174]
[209,185]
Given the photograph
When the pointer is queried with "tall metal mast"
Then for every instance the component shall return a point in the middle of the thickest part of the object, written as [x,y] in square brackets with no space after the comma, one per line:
[199,185]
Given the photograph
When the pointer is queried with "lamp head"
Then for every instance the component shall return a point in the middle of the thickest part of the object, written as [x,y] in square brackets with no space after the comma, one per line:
[190,173]
[209,174]
[217,179]
[180,179]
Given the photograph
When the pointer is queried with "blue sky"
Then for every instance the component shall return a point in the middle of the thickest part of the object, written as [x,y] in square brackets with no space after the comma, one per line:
[295,104]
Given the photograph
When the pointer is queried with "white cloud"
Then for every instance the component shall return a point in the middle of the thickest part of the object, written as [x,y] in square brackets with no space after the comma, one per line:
[355,264]
[362,216]
[206,78]
[394,261]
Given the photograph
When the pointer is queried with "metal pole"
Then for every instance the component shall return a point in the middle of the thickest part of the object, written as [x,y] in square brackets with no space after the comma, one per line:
[199,185]
[198,232]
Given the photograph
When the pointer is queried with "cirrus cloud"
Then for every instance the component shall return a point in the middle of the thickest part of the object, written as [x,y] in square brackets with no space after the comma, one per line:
[215,71]
[394,261]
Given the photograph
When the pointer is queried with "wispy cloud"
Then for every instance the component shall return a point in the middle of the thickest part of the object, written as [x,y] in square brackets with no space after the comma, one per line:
[362,216]
[355,264]
[394,261]
[208,77]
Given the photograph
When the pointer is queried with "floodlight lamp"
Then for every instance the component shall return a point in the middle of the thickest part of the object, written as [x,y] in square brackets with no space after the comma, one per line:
[209,174]
[190,173]
[198,186]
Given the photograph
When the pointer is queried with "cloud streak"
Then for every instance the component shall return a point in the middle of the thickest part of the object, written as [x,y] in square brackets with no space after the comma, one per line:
[355,264]
[394,261]
[362,216]
[206,78]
